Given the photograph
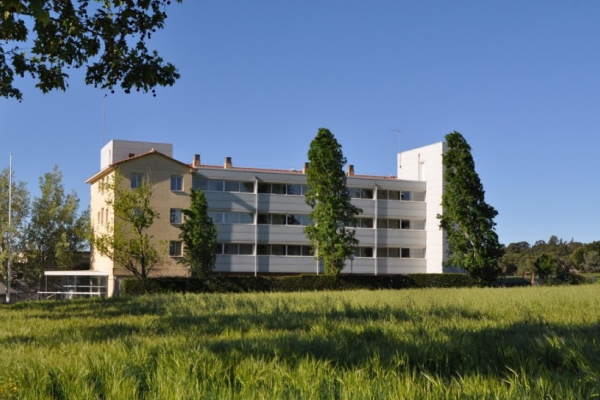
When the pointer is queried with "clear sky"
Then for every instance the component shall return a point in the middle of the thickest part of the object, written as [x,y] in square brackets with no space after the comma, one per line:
[519,79]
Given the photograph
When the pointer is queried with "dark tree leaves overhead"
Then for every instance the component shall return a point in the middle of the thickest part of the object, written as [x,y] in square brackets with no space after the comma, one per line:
[467,219]
[46,38]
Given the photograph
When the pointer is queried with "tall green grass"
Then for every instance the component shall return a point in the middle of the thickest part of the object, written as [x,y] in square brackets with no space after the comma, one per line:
[540,342]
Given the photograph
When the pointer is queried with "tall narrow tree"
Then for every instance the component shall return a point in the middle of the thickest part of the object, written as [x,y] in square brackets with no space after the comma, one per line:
[126,240]
[467,219]
[199,235]
[333,214]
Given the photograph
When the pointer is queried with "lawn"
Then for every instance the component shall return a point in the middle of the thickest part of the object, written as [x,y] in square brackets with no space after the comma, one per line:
[534,342]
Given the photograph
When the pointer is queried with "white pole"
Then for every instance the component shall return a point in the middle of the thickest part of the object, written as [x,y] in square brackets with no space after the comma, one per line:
[9,228]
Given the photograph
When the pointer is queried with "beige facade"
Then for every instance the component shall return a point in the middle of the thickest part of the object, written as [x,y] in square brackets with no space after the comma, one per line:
[260,215]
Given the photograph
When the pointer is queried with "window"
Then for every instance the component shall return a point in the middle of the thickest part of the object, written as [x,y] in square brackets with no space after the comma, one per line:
[394,252]
[405,253]
[382,223]
[217,217]
[102,216]
[106,211]
[294,190]
[293,220]
[405,196]
[136,180]
[278,249]
[366,193]
[278,188]
[382,194]
[247,187]
[278,219]
[418,196]
[419,224]
[177,183]
[394,224]
[215,186]
[364,252]
[175,249]
[264,219]
[176,216]
[199,183]
[246,249]
[232,186]
[418,253]
[294,250]
[405,224]
[264,187]
[364,223]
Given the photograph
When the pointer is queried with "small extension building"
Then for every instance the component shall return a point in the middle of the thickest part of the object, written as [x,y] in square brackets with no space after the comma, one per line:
[261,213]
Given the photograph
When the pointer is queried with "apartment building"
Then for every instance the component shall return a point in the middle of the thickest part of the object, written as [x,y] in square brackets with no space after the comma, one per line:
[261,213]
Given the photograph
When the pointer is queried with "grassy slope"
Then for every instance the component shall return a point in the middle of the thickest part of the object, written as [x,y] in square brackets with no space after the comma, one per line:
[442,343]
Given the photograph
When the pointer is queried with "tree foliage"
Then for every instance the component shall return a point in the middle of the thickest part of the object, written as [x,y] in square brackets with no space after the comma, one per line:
[45,38]
[126,240]
[56,232]
[467,219]
[199,235]
[545,264]
[333,214]
[19,213]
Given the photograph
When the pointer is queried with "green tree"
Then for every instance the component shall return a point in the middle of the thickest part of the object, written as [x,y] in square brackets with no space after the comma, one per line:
[199,234]
[467,219]
[333,214]
[56,232]
[545,264]
[108,37]
[126,240]
[18,223]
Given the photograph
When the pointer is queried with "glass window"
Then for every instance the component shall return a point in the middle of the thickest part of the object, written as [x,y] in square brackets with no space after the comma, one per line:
[232,186]
[405,224]
[294,190]
[394,195]
[382,194]
[218,248]
[365,222]
[293,250]
[263,250]
[217,217]
[136,180]
[382,252]
[306,250]
[247,187]
[366,252]
[230,248]
[293,220]
[405,253]
[246,218]
[393,253]
[304,189]
[382,223]
[246,249]
[175,249]
[278,249]
[278,219]
[418,196]
[418,253]
[354,193]
[278,188]
[419,224]
[305,220]
[405,196]
[366,193]
[231,218]
[199,183]
[177,183]
[394,224]
[175,215]
[264,187]
[215,186]
[264,219]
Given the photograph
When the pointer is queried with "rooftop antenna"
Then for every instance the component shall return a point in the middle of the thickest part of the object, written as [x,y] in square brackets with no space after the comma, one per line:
[398,131]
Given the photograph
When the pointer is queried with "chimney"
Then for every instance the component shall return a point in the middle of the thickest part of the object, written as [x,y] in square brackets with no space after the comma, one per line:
[228,164]
[350,170]
[196,162]
[305,167]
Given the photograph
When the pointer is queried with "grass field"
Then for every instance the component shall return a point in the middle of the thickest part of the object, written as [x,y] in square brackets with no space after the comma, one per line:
[540,342]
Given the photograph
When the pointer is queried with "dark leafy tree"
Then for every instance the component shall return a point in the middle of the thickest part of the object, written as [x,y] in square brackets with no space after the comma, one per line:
[46,38]
[126,240]
[467,219]
[545,264]
[333,214]
[56,232]
[199,235]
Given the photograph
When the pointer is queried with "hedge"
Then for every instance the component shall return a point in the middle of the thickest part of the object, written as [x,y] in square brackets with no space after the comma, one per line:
[296,283]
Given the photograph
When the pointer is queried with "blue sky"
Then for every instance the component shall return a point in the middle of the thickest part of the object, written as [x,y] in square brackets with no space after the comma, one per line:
[518,79]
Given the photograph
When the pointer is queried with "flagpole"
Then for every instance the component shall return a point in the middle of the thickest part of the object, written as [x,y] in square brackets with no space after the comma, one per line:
[9,228]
